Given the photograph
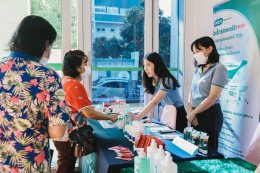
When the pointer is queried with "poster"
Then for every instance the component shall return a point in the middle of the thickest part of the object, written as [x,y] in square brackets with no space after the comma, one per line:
[237,34]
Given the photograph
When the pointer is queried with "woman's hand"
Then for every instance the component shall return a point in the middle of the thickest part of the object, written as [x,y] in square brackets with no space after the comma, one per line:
[136,118]
[113,117]
[148,120]
[191,116]
[195,122]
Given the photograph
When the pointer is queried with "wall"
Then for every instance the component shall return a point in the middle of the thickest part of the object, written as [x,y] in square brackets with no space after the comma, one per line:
[11,13]
[198,22]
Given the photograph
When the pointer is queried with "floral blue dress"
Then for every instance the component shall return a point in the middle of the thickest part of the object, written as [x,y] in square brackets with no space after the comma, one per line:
[31,99]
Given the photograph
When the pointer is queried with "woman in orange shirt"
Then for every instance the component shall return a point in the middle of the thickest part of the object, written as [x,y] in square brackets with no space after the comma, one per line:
[77,99]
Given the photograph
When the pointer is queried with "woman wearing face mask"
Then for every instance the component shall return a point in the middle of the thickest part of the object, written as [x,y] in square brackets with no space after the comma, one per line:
[76,98]
[209,79]
[31,98]
[163,89]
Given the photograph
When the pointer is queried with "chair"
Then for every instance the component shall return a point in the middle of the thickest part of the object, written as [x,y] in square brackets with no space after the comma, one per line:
[169,115]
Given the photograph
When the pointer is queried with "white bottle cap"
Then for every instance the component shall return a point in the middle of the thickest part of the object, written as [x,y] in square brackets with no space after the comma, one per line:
[168,158]
[141,154]
[160,152]
[152,149]
[153,144]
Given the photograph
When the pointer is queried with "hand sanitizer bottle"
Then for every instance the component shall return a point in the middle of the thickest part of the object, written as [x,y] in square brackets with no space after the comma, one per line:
[141,163]
[168,166]
[151,151]
[159,156]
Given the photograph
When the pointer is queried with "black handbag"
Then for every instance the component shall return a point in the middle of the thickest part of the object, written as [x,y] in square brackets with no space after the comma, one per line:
[82,139]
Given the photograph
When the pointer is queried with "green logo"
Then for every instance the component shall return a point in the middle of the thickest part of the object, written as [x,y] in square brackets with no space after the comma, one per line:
[218,22]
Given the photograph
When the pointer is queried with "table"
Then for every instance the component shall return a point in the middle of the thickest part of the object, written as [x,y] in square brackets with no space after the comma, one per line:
[234,165]
[106,161]
[105,138]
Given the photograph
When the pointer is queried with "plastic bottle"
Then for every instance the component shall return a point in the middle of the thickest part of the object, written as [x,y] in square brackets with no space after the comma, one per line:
[168,166]
[151,151]
[159,156]
[141,163]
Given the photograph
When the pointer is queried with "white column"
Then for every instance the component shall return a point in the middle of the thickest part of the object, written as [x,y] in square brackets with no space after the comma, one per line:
[85,36]
[148,25]
[65,27]
[174,53]
[155,28]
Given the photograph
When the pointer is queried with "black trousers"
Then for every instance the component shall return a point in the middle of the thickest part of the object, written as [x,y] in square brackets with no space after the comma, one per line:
[66,160]
[211,121]
[181,120]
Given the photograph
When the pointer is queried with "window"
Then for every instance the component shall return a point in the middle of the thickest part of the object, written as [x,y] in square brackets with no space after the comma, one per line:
[74,26]
[51,10]
[112,10]
[169,36]
[123,11]
[165,31]
[100,9]
[98,29]
[117,57]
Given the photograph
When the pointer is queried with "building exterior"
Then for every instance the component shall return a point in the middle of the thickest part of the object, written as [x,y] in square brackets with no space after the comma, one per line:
[109,16]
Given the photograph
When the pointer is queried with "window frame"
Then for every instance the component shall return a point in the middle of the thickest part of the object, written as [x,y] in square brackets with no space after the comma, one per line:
[84,21]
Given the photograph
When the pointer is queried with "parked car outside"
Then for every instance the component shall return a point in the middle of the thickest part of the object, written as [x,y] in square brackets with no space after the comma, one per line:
[106,89]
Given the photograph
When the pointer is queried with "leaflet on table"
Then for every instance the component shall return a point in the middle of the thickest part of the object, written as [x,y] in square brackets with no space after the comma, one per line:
[169,136]
[106,124]
[185,145]
[152,125]
[119,106]
[122,153]
[158,128]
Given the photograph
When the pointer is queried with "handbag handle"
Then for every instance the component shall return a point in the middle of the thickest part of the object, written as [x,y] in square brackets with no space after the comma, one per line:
[73,123]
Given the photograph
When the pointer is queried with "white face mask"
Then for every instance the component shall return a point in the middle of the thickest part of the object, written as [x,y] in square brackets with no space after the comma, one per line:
[87,72]
[44,60]
[201,58]
[46,55]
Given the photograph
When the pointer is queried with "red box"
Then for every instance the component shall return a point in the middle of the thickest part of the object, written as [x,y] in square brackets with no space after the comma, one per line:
[145,141]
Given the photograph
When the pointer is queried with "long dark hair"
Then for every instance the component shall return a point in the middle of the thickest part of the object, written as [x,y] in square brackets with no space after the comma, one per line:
[72,61]
[161,71]
[31,36]
[206,42]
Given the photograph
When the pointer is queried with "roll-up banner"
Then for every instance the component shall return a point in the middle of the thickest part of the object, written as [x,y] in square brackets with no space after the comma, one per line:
[237,35]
